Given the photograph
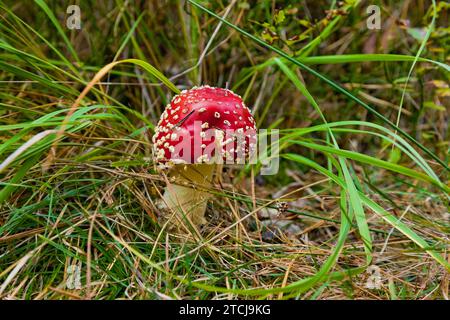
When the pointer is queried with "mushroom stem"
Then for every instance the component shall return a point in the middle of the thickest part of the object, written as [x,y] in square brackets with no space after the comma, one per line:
[185,197]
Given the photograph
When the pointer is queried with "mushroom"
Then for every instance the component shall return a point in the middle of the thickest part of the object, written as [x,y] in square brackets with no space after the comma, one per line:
[200,130]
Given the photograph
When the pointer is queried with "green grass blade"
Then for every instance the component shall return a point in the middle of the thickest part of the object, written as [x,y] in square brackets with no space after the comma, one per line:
[356,205]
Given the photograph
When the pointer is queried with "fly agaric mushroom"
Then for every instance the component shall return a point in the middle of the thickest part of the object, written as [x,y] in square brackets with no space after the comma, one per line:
[200,130]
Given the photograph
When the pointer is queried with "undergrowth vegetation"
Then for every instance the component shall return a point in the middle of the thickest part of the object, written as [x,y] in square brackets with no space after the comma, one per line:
[357,210]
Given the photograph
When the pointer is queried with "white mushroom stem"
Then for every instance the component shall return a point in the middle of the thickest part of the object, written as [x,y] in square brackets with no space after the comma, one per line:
[186,196]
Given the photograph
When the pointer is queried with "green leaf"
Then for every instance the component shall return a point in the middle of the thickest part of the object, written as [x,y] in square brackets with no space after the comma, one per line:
[432,105]
[279,17]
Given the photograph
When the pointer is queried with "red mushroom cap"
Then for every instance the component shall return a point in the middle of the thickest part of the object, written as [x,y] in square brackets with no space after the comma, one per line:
[202,121]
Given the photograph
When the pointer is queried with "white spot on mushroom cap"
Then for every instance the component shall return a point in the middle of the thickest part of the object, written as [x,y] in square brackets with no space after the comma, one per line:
[160,154]
[203,158]
[175,110]
[227,141]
